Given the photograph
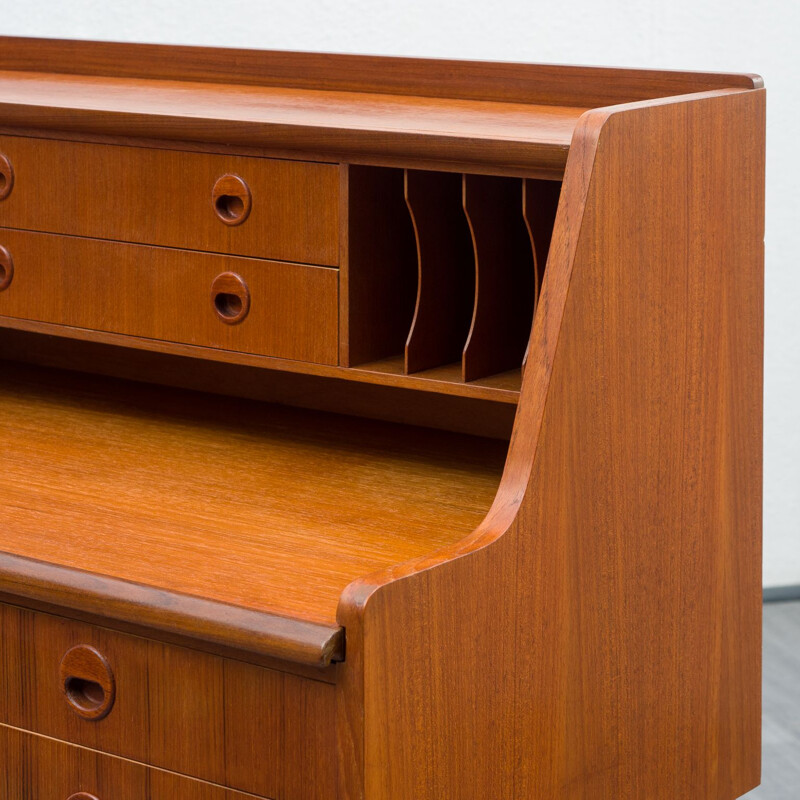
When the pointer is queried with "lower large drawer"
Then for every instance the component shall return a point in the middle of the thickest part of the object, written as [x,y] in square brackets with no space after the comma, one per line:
[227,722]
[35,768]
[270,308]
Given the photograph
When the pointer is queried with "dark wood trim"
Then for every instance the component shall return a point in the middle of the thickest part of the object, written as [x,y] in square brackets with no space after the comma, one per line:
[111,598]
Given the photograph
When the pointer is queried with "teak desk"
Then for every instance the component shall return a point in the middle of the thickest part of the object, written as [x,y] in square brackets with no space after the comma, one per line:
[377,428]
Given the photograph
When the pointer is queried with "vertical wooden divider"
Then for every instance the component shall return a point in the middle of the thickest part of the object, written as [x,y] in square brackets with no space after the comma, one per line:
[539,206]
[505,276]
[445,288]
[379,272]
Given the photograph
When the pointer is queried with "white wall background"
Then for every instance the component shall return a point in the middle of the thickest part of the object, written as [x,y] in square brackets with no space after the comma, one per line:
[725,35]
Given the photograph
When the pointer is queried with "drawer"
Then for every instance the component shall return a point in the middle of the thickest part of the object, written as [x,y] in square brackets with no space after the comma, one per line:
[168,197]
[231,723]
[34,768]
[284,310]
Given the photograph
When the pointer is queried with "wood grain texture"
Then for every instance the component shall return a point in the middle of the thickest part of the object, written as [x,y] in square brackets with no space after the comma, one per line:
[221,720]
[505,276]
[164,197]
[612,599]
[339,124]
[168,295]
[477,80]
[37,768]
[265,508]
[388,373]
[446,270]
[392,403]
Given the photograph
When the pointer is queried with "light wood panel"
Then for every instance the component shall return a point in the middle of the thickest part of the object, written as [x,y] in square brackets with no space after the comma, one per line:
[164,197]
[612,599]
[169,295]
[231,723]
[264,507]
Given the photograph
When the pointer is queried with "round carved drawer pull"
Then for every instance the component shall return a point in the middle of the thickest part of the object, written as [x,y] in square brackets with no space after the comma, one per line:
[6,268]
[6,177]
[230,297]
[87,682]
[82,796]
[232,199]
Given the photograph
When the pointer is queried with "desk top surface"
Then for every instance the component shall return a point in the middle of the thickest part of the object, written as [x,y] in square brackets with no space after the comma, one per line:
[257,507]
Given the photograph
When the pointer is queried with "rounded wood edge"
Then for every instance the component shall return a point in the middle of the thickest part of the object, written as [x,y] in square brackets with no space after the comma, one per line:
[6,176]
[230,297]
[535,383]
[82,796]
[298,641]
[6,268]
[87,682]
[231,199]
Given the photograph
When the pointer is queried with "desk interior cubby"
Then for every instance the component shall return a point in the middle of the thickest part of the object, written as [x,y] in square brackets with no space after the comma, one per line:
[443,272]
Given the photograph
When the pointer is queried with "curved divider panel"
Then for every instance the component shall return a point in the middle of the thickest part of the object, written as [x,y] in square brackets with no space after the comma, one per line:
[446,283]
[539,206]
[379,274]
[505,276]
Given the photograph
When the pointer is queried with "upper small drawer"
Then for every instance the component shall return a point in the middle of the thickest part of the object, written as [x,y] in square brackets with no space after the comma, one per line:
[261,207]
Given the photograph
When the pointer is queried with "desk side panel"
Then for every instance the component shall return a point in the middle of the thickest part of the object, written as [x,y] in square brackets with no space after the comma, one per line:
[606,643]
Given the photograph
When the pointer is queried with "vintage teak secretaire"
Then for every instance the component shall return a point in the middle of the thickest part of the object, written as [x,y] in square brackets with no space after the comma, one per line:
[380,429]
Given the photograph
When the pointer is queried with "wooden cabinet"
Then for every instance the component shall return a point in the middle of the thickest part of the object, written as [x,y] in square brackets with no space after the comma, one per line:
[377,429]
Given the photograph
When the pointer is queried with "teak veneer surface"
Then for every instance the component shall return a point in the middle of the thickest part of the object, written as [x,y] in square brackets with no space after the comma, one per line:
[338,122]
[263,507]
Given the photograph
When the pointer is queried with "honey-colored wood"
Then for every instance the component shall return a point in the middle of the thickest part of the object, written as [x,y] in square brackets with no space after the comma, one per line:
[165,197]
[599,634]
[39,768]
[166,295]
[300,605]
[87,681]
[269,509]
[218,719]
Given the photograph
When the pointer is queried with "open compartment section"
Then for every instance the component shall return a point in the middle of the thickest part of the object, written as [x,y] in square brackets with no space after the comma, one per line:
[471,248]
[446,284]
[506,283]
[379,284]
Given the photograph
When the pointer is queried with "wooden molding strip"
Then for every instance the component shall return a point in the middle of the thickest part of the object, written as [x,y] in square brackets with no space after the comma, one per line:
[258,632]
[473,80]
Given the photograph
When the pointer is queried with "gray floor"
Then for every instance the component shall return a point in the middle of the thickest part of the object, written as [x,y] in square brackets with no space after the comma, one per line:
[781,733]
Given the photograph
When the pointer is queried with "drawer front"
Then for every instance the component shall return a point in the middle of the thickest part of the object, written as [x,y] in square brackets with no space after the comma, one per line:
[224,721]
[172,295]
[167,197]
[34,768]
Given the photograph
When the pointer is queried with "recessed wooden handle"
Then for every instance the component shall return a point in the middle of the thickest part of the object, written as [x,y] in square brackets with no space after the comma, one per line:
[87,682]
[6,268]
[6,177]
[232,199]
[82,796]
[230,298]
